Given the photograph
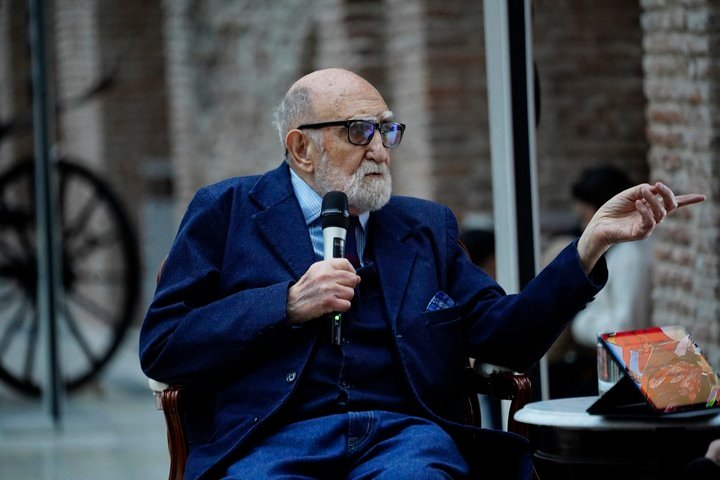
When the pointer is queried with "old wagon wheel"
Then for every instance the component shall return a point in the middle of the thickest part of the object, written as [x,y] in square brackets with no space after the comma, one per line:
[100,277]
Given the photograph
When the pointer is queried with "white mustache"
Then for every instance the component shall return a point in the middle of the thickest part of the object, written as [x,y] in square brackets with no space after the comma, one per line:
[369,167]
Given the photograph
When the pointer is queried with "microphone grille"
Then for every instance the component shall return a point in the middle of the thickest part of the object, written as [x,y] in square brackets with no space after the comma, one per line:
[335,210]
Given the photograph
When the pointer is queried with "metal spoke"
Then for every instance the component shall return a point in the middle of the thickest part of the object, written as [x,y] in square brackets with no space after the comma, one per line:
[20,218]
[10,251]
[107,277]
[31,347]
[83,217]
[13,326]
[92,242]
[72,324]
[93,308]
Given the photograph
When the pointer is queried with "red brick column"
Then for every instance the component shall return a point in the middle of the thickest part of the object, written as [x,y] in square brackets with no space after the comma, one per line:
[682,54]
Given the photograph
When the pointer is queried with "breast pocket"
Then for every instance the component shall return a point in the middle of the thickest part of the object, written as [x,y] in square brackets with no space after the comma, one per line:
[445,316]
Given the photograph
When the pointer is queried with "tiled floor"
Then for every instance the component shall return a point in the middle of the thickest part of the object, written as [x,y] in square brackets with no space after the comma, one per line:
[108,431]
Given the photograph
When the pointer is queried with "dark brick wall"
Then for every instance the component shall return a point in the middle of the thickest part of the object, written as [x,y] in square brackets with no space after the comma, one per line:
[457,103]
[135,108]
[682,69]
[15,102]
[631,83]
[589,58]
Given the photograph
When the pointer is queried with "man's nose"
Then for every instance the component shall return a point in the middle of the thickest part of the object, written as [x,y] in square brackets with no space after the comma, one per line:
[376,151]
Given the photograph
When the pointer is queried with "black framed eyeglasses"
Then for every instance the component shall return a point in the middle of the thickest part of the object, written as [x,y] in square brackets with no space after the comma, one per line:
[361,132]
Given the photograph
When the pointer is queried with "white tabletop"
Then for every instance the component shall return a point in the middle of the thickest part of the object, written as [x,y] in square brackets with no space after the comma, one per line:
[571,413]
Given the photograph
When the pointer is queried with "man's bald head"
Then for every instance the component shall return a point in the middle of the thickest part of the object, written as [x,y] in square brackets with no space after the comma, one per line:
[330,87]
[321,96]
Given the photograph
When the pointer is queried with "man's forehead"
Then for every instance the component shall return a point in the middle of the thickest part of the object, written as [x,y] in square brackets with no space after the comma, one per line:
[380,117]
[359,106]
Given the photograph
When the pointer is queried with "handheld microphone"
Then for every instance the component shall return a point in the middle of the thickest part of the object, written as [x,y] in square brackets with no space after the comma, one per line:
[335,220]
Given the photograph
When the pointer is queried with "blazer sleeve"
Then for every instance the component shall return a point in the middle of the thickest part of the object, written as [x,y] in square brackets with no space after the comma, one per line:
[192,334]
[516,330]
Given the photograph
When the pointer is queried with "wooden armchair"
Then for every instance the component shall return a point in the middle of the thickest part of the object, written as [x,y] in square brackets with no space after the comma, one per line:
[168,398]
[499,385]
[502,385]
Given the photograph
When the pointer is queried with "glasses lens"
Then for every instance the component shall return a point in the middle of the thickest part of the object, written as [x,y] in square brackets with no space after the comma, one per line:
[392,133]
[360,132]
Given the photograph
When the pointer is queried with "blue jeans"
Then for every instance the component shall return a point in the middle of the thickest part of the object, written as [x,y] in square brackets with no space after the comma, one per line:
[374,445]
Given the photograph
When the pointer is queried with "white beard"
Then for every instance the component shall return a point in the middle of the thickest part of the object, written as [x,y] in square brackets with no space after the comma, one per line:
[365,194]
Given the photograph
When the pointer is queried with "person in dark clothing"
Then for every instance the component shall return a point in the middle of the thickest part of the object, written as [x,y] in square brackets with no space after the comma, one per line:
[623,304]
[240,316]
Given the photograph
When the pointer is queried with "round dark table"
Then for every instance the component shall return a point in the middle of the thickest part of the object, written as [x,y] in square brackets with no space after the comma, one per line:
[569,443]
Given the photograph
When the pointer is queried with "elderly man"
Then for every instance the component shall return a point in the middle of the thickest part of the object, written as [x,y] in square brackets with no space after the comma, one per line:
[240,315]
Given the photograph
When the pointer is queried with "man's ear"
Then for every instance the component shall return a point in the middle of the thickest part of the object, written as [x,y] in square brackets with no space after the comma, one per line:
[298,148]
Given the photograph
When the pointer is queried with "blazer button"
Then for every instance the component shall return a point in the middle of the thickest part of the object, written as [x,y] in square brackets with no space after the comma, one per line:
[290,377]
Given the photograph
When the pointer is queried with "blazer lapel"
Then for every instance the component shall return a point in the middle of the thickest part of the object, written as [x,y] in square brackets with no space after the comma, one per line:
[394,256]
[281,220]
[282,223]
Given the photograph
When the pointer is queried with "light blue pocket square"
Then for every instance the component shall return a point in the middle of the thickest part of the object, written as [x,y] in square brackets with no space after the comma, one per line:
[440,301]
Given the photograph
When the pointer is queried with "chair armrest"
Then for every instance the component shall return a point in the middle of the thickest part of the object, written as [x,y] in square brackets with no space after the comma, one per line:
[168,398]
[157,389]
[503,385]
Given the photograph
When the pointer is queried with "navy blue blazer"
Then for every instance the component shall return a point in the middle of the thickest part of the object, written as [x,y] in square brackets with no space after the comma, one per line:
[217,321]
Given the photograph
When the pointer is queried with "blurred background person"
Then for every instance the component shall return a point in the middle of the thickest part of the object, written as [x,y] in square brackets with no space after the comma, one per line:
[624,304]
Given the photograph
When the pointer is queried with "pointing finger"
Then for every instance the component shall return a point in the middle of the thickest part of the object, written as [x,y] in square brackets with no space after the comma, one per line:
[689,199]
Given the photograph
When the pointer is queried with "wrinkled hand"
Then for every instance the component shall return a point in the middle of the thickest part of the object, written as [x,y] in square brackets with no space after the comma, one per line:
[327,286]
[630,215]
